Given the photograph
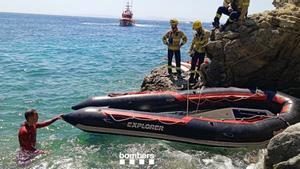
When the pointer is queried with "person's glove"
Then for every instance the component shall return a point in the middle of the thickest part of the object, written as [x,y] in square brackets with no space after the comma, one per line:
[191,53]
[230,8]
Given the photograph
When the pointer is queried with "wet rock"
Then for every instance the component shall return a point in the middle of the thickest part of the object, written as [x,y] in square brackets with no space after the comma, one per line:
[159,79]
[283,151]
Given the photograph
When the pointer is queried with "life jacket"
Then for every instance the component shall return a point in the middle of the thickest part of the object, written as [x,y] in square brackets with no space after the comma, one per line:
[174,39]
[199,41]
[239,5]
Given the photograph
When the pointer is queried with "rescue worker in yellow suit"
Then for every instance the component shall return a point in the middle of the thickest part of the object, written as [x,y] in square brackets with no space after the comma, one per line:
[236,10]
[197,51]
[174,39]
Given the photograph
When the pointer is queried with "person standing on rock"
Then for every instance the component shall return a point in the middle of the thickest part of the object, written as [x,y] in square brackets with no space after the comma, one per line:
[197,51]
[174,39]
[235,9]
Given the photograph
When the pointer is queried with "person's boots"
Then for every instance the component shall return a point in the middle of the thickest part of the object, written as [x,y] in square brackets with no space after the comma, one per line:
[179,74]
[192,80]
[216,23]
[169,70]
[197,77]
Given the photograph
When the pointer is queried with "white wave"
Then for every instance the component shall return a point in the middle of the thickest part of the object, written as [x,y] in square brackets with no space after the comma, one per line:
[257,163]
[116,24]
[188,22]
[219,161]
[99,24]
[145,25]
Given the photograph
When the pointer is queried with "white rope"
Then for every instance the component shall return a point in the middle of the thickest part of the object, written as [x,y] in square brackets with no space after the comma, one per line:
[188,100]
[142,119]
[165,123]
[253,117]
[199,97]
[215,101]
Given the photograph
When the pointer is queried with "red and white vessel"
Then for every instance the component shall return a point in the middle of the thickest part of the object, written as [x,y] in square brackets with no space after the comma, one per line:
[126,19]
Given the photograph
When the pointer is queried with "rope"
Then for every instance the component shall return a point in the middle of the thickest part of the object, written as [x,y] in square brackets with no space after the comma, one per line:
[253,117]
[215,101]
[187,99]
[241,119]
[198,104]
[142,119]
[199,97]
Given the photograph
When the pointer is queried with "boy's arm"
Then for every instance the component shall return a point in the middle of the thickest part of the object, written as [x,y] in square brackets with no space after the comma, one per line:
[48,122]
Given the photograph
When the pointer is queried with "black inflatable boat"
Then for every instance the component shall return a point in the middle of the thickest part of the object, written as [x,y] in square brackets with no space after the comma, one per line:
[228,117]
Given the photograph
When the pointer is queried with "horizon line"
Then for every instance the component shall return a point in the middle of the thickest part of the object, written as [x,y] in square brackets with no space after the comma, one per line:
[102,16]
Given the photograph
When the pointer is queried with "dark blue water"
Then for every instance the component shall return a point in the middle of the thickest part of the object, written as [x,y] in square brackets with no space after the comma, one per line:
[53,62]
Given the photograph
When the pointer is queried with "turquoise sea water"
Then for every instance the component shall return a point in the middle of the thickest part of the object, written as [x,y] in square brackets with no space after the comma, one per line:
[53,62]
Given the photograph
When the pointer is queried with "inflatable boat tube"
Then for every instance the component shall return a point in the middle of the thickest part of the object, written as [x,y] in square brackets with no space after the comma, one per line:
[216,122]
[164,101]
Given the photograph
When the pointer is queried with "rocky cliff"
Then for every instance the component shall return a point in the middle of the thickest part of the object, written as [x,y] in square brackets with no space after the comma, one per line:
[264,52]
[283,151]
[281,3]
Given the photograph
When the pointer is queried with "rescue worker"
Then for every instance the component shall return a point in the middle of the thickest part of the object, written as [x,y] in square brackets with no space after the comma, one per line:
[174,39]
[27,132]
[197,51]
[235,9]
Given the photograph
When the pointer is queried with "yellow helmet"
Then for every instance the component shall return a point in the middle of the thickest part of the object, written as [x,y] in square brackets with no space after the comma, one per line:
[197,24]
[174,22]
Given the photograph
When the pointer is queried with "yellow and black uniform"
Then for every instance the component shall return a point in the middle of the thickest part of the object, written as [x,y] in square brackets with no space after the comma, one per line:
[200,40]
[242,7]
[197,52]
[174,39]
[242,4]
[235,9]
[226,3]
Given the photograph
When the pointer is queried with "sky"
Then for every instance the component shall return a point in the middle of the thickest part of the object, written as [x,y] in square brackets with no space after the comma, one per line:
[143,9]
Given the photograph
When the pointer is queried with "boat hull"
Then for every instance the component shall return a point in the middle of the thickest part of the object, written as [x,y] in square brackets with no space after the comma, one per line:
[127,22]
[241,129]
